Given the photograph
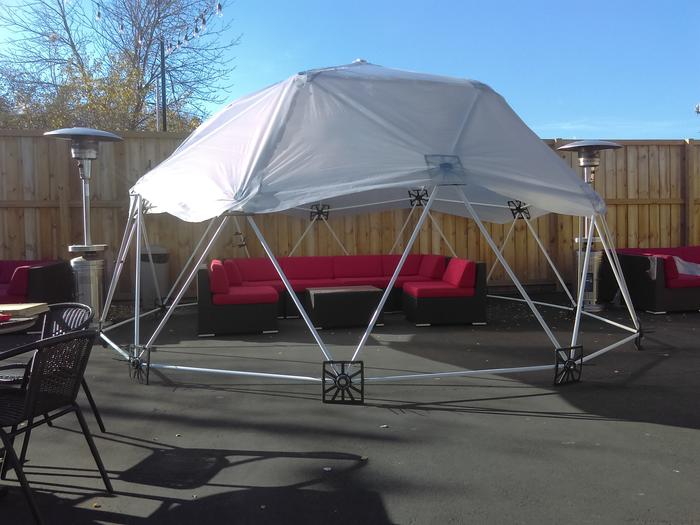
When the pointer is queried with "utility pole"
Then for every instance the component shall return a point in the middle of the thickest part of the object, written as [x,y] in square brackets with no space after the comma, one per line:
[163,104]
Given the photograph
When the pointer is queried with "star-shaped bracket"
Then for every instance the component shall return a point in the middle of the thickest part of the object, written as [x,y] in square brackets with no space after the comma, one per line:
[344,382]
[319,211]
[568,364]
[519,209]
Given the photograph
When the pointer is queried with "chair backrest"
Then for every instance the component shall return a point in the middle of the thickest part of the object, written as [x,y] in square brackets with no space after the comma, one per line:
[56,371]
[66,317]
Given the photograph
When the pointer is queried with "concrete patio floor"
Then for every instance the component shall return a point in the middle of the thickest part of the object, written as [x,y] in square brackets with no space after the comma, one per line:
[622,446]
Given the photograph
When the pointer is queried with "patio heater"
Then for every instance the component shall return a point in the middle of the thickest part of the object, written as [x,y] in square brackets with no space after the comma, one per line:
[88,269]
[589,159]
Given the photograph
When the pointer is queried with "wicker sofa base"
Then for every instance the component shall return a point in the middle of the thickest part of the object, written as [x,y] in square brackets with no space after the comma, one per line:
[444,310]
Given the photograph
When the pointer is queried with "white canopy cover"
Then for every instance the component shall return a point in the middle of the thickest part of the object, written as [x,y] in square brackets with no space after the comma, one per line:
[357,138]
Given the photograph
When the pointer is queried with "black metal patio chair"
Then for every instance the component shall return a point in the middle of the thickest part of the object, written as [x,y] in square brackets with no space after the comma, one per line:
[49,391]
[60,319]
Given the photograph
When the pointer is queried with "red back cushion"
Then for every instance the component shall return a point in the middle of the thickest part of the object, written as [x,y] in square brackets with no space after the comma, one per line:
[410,267]
[19,281]
[217,277]
[670,268]
[232,273]
[257,269]
[432,266]
[460,273]
[357,266]
[320,267]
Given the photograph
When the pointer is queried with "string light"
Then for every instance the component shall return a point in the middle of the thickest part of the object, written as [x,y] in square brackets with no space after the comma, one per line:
[121,28]
[203,25]
[98,16]
[219,9]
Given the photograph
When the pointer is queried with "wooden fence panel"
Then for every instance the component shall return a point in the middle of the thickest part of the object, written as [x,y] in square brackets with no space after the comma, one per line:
[651,188]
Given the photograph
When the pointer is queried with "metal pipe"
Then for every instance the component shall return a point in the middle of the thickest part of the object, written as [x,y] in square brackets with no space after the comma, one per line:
[500,250]
[508,270]
[189,260]
[189,279]
[290,290]
[395,275]
[582,286]
[519,300]
[442,235]
[137,277]
[403,227]
[549,260]
[313,221]
[235,372]
[462,373]
[114,346]
[608,348]
[334,235]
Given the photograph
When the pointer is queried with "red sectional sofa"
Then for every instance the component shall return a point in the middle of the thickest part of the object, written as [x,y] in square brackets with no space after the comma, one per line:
[657,281]
[23,281]
[253,281]
[457,298]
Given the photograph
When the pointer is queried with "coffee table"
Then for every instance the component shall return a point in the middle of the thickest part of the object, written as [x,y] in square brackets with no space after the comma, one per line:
[343,306]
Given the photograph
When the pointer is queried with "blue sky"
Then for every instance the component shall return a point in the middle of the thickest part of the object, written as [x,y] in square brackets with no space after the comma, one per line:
[594,69]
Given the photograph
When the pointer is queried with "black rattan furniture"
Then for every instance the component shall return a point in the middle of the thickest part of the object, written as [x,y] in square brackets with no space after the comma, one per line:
[49,392]
[343,306]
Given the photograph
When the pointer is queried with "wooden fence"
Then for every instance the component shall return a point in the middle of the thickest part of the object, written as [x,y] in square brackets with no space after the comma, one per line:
[651,188]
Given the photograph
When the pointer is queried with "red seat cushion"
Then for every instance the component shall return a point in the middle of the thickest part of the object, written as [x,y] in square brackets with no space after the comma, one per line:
[460,272]
[357,266]
[436,289]
[19,281]
[257,269]
[320,267]
[432,266]
[246,295]
[276,284]
[217,277]
[232,272]
[403,279]
[410,266]
[7,298]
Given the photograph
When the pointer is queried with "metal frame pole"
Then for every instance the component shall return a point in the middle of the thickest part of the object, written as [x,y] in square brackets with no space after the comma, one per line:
[169,311]
[189,260]
[395,275]
[290,290]
[303,235]
[549,260]
[582,285]
[442,235]
[403,228]
[508,269]
[334,235]
[500,250]
[121,257]
[616,268]
[147,244]
[137,276]
[240,231]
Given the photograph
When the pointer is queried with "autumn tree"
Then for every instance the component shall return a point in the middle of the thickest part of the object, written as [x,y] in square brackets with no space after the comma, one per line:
[98,63]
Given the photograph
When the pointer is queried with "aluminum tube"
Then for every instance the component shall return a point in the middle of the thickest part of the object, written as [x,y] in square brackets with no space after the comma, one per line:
[234,372]
[582,286]
[114,346]
[121,257]
[508,270]
[290,290]
[505,241]
[395,275]
[291,252]
[442,235]
[151,263]
[610,322]
[607,348]
[403,227]
[616,268]
[334,236]
[519,300]
[137,277]
[130,319]
[549,260]
[462,373]
[189,260]
[169,311]
[85,168]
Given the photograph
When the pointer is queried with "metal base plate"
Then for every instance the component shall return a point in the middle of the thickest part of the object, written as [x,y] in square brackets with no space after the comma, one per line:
[344,382]
[568,364]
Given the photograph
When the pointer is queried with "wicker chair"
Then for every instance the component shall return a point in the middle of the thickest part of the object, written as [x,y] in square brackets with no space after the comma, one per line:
[50,390]
[60,319]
